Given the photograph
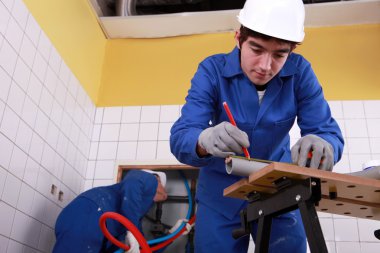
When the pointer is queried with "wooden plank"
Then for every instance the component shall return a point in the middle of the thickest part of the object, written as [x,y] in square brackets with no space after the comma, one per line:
[342,194]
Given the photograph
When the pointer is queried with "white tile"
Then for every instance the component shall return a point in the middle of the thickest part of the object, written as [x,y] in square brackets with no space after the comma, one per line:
[59,164]
[371,108]
[66,123]
[8,58]
[3,240]
[146,150]
[327,228]
[33,30]
[24,136]
[4,18]
[25,200]
[8,4]
[129,132]
[150,114]
[342,126]
[56,113]
[99,115]
[344,234]
[104,170]
[25,229]
[109,132]
[39,66]
[163,151]
[102,182]
[47,239]
[27,51]
[164,131]
[51,80]
[36,148]
[55,60]
[42,123]
[35,89]
[6,151]
[148,132]
[336,108]
[107,150]
[169,113]
[2,108]
[14,34]
[70,153]
[353,109]
[87,185]
[62,144]
[16,98]
[331,247]
[78,115]
[46,102]
[5,84]
[356,128]
[73,85]
[366,229]
[64,73]
[358,145]
[370,247]
[14,246]
[373,127]
[20,13]
[60,93]
[81,97]
[96,132]
[11,190]
[375,145]
[348,247]
[31,172]
[44,46]
[38,207]
[343,166]
[357,160]
[127,150]
[44,182]
[3,177]
[29,112]
[48,157]
[69,104]
[90,169]
[52,135]
[9,123]
[112,115]
[6,218]
[22,74]
[131,114]
[18,162]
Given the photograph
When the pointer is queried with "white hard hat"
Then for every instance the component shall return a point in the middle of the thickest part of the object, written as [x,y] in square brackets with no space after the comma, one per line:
[160,174]
[283,19]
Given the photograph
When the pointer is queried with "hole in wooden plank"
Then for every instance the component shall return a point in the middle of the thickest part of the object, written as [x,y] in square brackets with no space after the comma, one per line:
[359,197]
[346,213]
[377,190]
[369,216]
[323,181]
[324,209]
[339,204]
[351,186]
[363,208]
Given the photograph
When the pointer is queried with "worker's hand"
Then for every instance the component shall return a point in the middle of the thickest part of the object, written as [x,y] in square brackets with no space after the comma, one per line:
[223,140]
[179,223]
[132,242]
[322,153]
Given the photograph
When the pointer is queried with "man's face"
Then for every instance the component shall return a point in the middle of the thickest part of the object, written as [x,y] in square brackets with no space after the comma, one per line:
[262,59]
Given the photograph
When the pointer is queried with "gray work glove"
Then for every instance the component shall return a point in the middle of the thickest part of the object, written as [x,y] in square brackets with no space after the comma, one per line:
[322,153]
[223,140]
[132,242]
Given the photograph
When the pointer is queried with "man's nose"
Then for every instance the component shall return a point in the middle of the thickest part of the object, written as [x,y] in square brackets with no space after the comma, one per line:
[265,62]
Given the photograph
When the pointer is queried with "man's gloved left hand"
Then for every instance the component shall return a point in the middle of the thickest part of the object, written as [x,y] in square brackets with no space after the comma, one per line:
[322,152]
[132,242]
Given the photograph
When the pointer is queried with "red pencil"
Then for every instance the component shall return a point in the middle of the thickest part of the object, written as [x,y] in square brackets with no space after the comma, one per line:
[231,118]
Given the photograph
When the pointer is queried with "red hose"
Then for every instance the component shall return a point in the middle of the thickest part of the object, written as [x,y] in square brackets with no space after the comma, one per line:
[129,225]
[135,231]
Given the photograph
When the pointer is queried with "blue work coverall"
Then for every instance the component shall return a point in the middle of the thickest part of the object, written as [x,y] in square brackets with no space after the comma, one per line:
[294,93]
[77,228]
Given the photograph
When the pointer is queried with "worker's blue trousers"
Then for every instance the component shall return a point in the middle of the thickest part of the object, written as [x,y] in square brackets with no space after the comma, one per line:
[213,233]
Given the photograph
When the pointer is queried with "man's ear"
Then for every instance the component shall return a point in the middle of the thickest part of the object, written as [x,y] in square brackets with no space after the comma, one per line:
[237,38]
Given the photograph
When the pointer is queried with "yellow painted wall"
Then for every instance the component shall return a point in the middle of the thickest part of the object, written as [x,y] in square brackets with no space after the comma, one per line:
[158,71]
[72,27]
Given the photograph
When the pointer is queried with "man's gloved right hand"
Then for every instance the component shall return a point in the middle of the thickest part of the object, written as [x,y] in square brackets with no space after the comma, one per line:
[223,140]
[132,242]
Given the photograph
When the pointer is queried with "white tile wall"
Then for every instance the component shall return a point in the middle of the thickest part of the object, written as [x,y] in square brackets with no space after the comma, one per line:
[51,133]
[46,122]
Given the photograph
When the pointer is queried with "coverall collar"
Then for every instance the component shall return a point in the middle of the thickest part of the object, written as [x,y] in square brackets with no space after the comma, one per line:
[232,66]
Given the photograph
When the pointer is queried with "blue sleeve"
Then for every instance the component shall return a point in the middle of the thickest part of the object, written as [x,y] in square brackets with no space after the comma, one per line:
[314,115]
[195,117]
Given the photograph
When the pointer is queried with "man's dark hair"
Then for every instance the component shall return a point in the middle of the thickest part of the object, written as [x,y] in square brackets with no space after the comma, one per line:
[245,33]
